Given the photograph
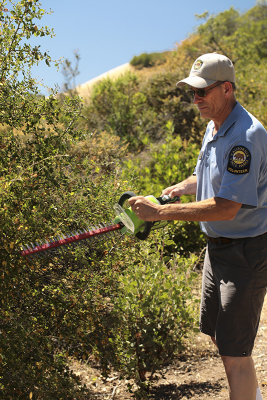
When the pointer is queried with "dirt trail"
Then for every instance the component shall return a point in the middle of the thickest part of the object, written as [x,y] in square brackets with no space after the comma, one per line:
[198,376]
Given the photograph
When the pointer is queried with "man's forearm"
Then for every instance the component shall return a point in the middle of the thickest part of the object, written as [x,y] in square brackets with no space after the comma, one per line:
[213,209]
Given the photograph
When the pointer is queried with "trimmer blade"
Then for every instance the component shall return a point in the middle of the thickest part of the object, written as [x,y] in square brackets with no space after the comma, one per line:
[53,244]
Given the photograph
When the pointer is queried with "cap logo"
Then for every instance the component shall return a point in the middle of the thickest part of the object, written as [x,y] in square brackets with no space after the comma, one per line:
[198,64]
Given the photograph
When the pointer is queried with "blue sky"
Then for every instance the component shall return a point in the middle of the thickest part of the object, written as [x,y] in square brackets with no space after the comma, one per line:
[108,33]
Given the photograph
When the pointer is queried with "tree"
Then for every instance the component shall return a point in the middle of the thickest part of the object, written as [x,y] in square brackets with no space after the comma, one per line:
[35,138]
[18,25]
[70,73]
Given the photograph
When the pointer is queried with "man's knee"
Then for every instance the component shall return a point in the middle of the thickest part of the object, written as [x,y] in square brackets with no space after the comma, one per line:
[229,362]
[236,363]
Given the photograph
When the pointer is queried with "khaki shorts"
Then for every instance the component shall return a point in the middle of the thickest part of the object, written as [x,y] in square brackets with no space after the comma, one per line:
[233,289]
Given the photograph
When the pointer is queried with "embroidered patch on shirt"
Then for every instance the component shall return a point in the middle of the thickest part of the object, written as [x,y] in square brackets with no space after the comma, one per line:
[239,160]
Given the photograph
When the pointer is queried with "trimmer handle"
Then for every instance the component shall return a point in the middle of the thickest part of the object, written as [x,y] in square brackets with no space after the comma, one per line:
[146,228]
[142,235]
[168,199]
[125,196]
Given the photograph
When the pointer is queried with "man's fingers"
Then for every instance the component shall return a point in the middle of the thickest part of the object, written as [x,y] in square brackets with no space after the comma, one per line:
[133,200]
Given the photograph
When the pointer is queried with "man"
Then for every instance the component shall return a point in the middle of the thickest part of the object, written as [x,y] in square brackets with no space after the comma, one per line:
[230,183]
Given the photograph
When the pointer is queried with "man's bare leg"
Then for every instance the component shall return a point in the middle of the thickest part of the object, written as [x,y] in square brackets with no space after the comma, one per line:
[241,377]
[236,372]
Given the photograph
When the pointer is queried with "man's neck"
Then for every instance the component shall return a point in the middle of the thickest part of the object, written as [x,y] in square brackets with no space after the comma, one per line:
[218,121]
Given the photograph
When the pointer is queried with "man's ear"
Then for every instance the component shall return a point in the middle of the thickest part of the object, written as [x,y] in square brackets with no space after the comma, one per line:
[228,88]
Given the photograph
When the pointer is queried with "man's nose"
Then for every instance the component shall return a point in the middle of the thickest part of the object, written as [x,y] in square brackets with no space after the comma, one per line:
[197,99]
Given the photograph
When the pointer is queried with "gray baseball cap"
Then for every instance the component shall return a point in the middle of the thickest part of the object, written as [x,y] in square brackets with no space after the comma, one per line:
[208,69]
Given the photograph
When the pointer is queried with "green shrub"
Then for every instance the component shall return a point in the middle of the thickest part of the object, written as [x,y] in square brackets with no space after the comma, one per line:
[113,107]
[148,60]
[138,111]
[156,312]
[51,307]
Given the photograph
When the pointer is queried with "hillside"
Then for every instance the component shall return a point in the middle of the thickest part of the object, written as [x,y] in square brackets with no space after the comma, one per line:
[84,90]
[241,37]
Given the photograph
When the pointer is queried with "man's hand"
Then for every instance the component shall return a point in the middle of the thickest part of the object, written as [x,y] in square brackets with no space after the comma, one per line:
[173,191]
[144,208]
[188,186]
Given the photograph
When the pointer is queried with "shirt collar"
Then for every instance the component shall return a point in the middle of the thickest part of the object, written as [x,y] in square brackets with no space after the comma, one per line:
[230,120]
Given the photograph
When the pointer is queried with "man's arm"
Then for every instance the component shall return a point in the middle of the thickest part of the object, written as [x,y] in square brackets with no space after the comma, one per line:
[213,209]
[188,186]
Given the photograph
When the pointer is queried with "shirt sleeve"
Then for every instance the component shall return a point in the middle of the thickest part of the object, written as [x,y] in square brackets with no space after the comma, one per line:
[241,174]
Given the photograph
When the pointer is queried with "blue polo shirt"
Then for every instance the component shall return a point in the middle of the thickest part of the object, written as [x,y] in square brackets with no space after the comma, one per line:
[233,165]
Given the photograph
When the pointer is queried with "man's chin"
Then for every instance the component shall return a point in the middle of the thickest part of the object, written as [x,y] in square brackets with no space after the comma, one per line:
[204,112]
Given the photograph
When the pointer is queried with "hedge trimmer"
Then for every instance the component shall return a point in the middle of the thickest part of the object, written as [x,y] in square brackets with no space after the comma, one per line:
[126,221]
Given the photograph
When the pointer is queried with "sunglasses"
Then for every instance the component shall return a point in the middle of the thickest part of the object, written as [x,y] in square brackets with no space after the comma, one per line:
[203,92]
